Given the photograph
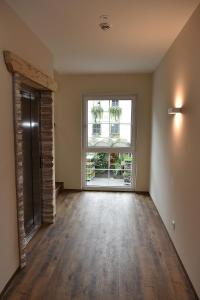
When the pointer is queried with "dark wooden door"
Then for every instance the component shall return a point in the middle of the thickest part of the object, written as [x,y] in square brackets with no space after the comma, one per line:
[31,160]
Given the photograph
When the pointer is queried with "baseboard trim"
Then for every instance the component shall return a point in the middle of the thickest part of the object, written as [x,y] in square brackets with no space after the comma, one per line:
[5,289]
[144,193]
[72,190]
[165,228]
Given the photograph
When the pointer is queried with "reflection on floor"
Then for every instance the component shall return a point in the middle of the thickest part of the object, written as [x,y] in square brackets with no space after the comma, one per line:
[107,182]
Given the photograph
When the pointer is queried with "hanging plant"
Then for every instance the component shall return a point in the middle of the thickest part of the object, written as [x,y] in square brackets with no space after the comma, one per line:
[115,112]
[97,112]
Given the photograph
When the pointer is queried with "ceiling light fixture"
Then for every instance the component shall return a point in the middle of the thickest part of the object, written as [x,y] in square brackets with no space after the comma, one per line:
[104,23]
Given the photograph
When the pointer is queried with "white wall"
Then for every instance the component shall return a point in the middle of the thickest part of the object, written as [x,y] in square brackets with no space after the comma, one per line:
[68,104]
[175,158]
[14,36]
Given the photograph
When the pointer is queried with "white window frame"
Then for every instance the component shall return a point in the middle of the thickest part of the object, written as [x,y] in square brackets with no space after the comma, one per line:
[130,149]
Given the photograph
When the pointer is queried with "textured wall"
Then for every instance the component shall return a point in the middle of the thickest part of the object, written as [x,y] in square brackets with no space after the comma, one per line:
[47,153]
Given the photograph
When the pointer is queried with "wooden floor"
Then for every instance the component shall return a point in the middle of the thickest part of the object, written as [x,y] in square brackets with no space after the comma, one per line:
[103,246]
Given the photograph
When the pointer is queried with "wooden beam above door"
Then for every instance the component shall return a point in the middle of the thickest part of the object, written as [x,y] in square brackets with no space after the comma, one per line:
[15,64]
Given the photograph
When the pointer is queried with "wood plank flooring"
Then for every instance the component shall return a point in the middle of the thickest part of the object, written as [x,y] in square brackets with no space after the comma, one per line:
[103,246]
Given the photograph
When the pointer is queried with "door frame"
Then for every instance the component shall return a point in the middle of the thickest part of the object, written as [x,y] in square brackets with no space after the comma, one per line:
[131,149]
[47,157]
[22,72]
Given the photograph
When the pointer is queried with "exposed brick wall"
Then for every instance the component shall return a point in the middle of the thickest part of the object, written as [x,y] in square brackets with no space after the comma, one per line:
[19,167]
[47,154]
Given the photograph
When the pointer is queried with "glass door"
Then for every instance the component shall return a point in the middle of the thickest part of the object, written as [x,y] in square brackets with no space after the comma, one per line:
[109,143]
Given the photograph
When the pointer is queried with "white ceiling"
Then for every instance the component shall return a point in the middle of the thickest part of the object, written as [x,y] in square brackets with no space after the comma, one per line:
[141,33]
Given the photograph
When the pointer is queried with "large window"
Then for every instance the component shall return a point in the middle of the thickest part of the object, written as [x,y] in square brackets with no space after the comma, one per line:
[109,143]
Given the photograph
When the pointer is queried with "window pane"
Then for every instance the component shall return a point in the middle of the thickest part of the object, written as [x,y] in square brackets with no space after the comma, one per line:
[126,106]
[109,169]
[98,111]
[98,135]
[96,129]
[115,130]
[109,123]
[124,136]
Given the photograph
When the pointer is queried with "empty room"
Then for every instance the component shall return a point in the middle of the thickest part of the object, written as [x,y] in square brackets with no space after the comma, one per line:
[99,172]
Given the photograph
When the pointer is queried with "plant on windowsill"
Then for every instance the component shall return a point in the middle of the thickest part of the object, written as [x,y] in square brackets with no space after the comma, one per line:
[115,112]
[97,112]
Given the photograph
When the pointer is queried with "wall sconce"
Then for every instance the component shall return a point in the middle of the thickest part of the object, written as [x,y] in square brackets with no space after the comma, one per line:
[174,110]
